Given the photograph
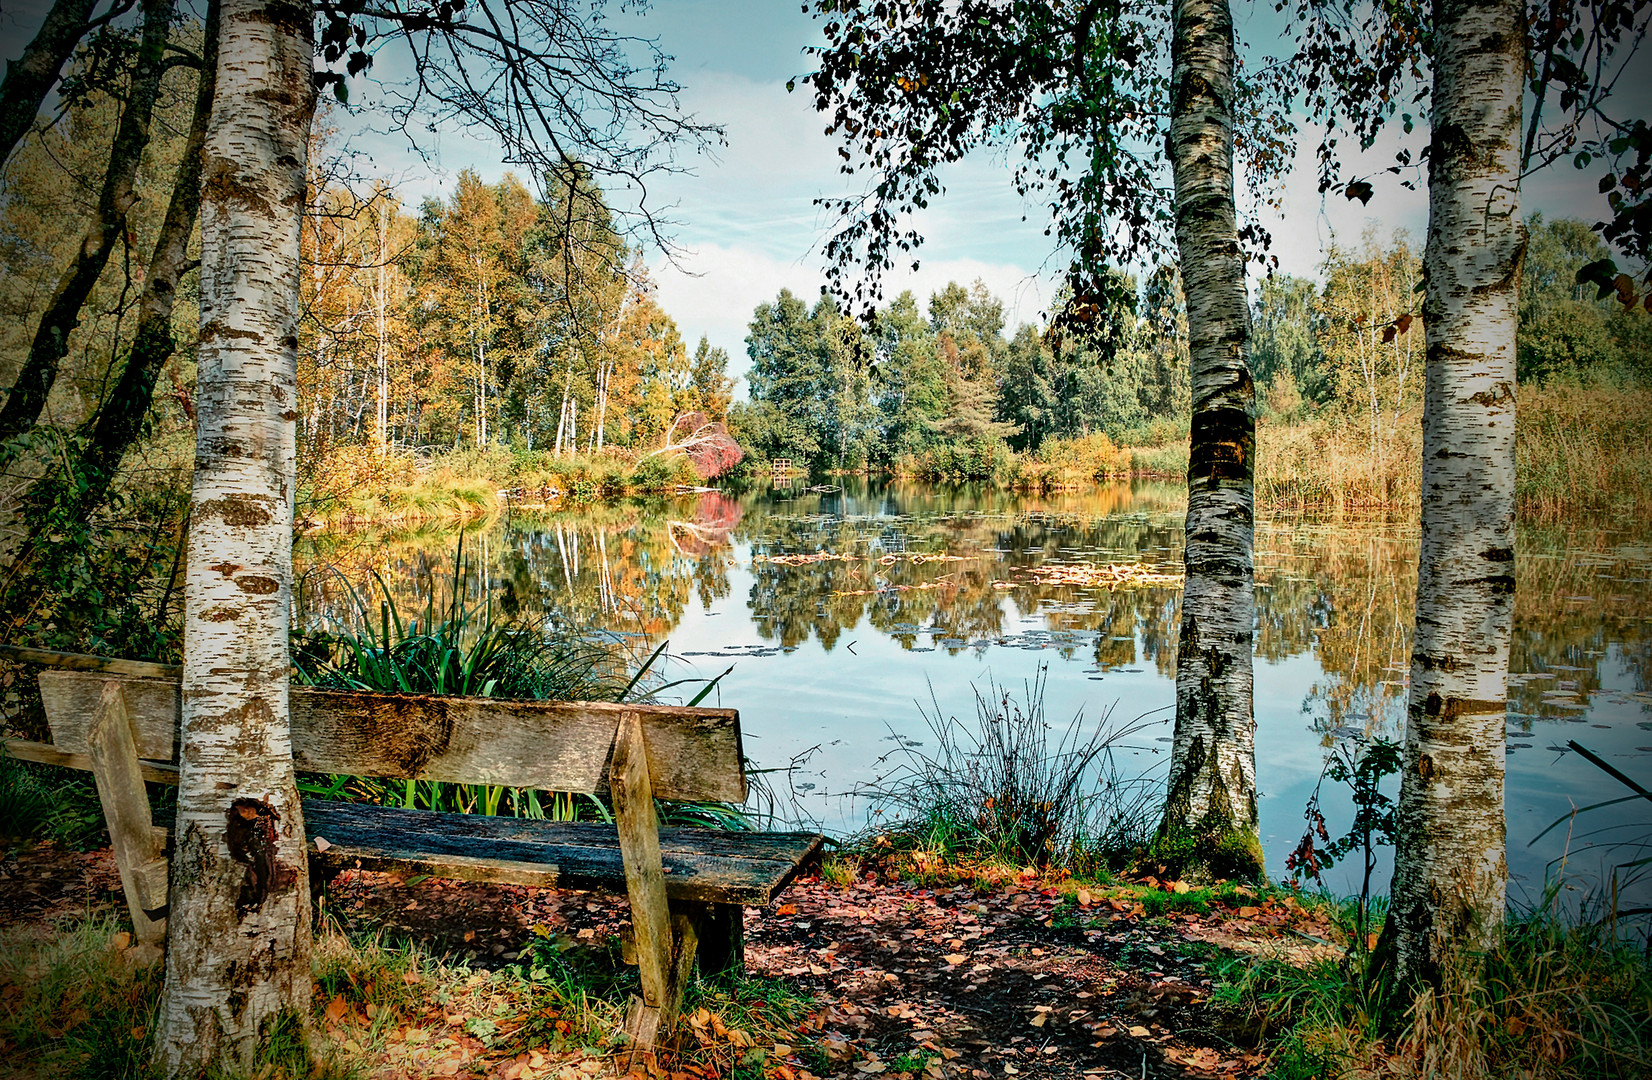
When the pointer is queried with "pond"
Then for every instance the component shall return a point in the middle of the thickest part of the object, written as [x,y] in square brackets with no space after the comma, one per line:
[845,614]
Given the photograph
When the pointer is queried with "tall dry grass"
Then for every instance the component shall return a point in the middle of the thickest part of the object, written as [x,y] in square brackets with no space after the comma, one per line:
[1329,464]
[1577,450]
[1584,448]
[1064,464]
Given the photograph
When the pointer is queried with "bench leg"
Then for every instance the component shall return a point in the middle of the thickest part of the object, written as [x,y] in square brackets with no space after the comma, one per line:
[722,940]
[139,846]
[664,934]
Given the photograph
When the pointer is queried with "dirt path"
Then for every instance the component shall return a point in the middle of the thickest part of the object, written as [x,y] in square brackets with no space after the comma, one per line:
[1021,979]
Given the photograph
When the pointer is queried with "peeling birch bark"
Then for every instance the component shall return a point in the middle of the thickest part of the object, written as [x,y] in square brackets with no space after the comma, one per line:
[1210,809]
[238,958]
[1450,870]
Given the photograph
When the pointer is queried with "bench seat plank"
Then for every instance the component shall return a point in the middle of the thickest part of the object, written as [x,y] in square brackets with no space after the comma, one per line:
[700,864]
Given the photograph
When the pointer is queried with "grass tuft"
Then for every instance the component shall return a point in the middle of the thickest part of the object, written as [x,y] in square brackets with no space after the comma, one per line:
[1011,789]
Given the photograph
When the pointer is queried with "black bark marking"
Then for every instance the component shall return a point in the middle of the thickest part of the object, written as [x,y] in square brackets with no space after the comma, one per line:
[1223,445]
[258,585]
[222,183]
[1425,764]
[1498,554]
[252,842]
[235,510]
[212,331]
[225,568]
[1449,707]
[1498,584]
[1451,142]
[1488,398]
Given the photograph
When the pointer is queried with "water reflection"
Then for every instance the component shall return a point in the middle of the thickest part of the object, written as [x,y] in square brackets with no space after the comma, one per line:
[840,607]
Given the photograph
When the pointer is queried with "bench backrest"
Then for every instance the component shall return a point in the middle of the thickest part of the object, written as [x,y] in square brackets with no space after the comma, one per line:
[694,754]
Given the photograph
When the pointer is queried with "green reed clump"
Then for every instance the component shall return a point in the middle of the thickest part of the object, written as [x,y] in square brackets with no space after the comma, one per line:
[452,647]
[1014,788]
[473,650]
[46,802]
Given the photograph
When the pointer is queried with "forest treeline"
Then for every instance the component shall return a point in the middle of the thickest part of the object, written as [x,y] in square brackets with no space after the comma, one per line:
[949,392]
[489,317]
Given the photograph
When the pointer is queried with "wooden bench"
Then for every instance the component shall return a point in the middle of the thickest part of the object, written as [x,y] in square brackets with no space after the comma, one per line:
[687,887]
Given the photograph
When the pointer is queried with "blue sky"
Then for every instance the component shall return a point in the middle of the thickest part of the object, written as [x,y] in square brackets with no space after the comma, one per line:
[748,223]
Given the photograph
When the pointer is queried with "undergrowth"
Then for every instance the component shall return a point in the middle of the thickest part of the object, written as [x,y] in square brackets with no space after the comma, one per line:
[1554,1000]
[74,1005]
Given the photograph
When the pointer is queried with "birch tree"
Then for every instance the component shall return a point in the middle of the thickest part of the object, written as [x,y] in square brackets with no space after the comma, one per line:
[1474,62]
[1450,869]
[237,960]
[1131,162]
[1210,807]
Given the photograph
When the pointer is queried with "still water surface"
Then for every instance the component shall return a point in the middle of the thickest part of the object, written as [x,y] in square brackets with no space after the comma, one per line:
[840,612]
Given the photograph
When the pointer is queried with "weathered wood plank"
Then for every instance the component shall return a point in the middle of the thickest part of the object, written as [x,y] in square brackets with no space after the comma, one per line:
[478,830]
[692,753]
[142,862]
[47,754]
[68,661]
[566,855]
[652,932]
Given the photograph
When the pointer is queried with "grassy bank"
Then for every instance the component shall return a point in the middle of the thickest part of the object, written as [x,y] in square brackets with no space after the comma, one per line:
[76,1006]
[355,485]
[1011,802]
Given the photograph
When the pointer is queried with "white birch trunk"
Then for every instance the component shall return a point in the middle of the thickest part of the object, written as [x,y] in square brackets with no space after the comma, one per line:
[1449,860]
[381,303]
[1210,810]
[238,957]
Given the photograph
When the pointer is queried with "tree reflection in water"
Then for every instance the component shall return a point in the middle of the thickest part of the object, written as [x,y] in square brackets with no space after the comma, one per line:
[1334,610]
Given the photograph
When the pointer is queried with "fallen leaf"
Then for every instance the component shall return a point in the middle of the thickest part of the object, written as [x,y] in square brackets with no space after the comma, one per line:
[1084,898]
[816,969]
[322,843]
[955,958]
[1178,887]
[786,909]
[586,934]
[1139,1032]
[336,1009]
[139,1032]
[121,941]
[1038,1019]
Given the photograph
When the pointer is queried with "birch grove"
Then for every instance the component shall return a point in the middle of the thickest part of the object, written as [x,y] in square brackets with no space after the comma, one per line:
[237,960]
